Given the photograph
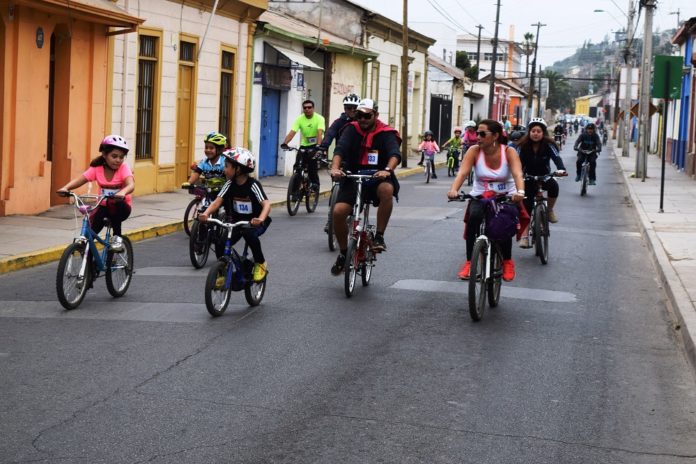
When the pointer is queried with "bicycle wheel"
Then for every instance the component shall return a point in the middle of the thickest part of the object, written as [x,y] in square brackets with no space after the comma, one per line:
[311,200]
[541,232]
[495,281]
[190,214]
[352,266]
[253,292]
[294,196]
[367,264]
[330,228]
[70,288]
[119,269]
[450,167]
[583,183]
[199,244]
[477,280]
[426,166]
[217,292]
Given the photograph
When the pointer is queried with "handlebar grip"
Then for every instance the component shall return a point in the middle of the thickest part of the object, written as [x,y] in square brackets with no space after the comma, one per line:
[63,193]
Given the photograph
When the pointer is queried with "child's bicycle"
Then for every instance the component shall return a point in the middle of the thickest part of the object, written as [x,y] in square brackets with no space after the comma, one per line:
[428,165]
[452,161]
[82,262]
[203,236]
[204,194]
[231,273]
[360,255]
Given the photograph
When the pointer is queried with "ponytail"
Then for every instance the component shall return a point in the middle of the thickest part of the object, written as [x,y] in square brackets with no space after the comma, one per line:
[98,161]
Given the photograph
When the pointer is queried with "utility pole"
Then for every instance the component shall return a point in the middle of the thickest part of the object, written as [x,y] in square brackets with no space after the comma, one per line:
[644,97]
[629,84]
[404,89]
[494,58]
[530,98]
[539,95]
[478,52]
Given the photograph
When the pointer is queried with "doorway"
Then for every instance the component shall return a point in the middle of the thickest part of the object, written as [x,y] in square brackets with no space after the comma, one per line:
[270,124]
[184,111]
[58,111]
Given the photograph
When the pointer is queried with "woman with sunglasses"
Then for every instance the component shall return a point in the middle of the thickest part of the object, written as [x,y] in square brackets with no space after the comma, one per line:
[498,171]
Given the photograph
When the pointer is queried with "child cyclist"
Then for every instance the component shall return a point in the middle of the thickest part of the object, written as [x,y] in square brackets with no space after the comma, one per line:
[114,176]
[244,200]
[213,165]
[428,147]
[454,146]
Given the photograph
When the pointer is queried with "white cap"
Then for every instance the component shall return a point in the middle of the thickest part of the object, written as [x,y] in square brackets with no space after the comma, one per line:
[367,105]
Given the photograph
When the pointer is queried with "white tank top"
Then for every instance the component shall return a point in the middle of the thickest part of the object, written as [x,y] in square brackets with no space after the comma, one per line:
[498,180]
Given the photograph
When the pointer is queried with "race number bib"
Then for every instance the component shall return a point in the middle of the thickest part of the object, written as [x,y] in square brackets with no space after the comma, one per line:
[372,157]
[242,207]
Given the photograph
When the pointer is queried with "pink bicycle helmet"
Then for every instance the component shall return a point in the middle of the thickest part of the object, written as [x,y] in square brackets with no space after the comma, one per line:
[114,141]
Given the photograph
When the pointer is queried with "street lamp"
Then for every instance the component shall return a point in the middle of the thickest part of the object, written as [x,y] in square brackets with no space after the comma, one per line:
[609,13]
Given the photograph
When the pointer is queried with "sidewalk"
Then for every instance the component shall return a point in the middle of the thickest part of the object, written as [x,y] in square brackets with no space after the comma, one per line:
[27,241]
[669,236]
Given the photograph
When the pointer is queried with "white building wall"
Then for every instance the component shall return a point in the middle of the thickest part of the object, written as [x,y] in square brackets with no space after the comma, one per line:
[173,19]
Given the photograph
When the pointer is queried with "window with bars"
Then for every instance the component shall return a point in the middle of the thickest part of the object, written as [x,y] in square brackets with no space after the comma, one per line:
[226,93]
[147,71]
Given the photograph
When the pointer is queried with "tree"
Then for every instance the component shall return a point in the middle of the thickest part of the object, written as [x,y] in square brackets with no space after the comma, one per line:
[462,62]
[560,91]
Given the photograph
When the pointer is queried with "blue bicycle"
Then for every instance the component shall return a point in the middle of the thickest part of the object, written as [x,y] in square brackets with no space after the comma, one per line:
[82,262]
[231,273]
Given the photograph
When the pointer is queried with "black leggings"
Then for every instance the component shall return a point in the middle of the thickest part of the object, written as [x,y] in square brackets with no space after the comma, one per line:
[477,212]
[530,187]
[115,211]
[251,237]
[306,157]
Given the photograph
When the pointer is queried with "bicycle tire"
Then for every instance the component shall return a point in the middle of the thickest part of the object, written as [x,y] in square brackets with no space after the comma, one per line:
[351,269]
[294,196]
[311,200]
[217,292]
[427,171]
[584,179]
[477,281]
[496,279]
[541,228]
[190,214]
[366,266]
[330,229]
[254,291]
[66,277]
[119,269]
[199,244]
[450,167]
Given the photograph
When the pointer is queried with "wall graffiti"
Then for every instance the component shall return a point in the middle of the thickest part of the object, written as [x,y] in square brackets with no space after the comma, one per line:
[339,88]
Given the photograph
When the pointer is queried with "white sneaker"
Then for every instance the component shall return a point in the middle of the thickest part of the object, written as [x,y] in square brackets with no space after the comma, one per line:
[116,244]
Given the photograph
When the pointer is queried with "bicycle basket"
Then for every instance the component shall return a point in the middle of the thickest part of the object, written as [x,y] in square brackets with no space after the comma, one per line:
[502,220]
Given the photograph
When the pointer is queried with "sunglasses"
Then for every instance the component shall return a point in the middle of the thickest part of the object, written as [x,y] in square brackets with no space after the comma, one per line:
[482,134]
[361,115]
[350,107]
[307,107]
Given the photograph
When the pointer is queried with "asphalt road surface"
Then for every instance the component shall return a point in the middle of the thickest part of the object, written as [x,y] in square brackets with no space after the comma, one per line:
[580,362]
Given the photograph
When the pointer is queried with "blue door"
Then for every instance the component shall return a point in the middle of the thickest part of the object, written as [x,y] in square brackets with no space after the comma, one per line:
[270,110]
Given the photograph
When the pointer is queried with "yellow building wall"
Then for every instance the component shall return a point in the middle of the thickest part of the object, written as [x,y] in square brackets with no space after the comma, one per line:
[582,106]
[27,177]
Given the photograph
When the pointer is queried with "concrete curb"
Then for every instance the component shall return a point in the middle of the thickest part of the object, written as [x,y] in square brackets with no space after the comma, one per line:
[680,305]
[47,255]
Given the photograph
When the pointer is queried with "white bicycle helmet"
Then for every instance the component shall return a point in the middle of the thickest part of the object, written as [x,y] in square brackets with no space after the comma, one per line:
[114,141]
[351,99]
[242,157]
[537,121]
[469,124]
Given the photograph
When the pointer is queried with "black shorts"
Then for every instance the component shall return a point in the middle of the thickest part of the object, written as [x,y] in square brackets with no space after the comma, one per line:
[348,190]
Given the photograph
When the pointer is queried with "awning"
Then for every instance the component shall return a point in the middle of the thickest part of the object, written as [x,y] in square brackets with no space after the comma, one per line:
[297,58]
[94,11]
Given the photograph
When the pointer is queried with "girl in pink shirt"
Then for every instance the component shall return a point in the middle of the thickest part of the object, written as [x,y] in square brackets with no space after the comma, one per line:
[428,147]
[114,176]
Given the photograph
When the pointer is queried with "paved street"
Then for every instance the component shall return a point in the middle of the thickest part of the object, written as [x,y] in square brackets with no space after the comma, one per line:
[578,364]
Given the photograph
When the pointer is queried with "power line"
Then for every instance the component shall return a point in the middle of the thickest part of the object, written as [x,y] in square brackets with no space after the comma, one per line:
[439,9]
[467,12]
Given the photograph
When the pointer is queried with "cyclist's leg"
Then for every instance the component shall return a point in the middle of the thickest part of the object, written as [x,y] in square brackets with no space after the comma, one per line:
[476,211]
[251,237]
[578,165]
[117,212]
[593,166]
[343,208]
[385,193]
[551,187]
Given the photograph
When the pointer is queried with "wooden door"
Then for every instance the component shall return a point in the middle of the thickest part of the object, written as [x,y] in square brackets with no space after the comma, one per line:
[184,119]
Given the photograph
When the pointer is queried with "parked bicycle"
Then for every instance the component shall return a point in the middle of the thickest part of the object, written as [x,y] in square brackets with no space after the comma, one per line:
[485,278]
[360,255]
[204,194]
[299,187]
[539,230]
[231,273]
[82,262]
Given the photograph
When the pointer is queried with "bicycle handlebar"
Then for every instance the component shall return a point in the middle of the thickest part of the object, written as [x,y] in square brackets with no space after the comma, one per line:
[80,203]
[228,225]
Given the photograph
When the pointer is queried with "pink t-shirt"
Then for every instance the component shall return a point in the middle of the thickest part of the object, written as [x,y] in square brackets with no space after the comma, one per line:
[113,185]
[430,146]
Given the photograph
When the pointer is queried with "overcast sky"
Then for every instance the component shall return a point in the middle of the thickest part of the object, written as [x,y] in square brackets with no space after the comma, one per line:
[568,22]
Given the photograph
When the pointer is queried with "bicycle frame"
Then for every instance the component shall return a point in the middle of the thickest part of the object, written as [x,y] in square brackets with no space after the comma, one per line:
[236,271]
[88,236]
[360,207]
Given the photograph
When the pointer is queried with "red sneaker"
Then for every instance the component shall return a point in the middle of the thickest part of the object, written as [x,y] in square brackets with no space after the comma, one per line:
[465,271]
[508,270]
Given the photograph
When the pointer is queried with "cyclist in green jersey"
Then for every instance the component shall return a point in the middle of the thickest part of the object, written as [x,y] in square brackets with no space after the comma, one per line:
[311,126]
